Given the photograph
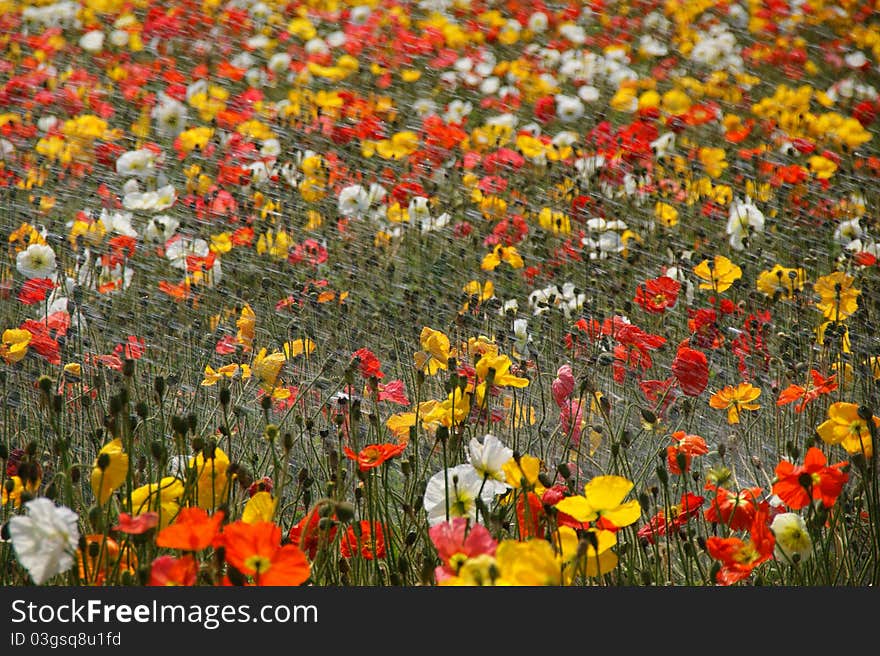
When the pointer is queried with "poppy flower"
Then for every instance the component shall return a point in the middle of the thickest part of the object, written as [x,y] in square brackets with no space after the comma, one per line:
[34,290]
[364,539]
[373,455]
[838,297]
[603,502]
[736,510]
[170,571]
[368,364]
[691,369]
[735,399]
[781,282]
[14,344]
[738,558]
[718,275]
[393,392]
[255,550]
[109,470]
[309,535]
[671,519]
[847,427]
[687,446]
[458,540]
[657,295]
[138,524]
[192,530]
[797,485]
[805,394]
[45,539]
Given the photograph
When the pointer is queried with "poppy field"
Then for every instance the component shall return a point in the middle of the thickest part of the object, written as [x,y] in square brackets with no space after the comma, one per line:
[440,292]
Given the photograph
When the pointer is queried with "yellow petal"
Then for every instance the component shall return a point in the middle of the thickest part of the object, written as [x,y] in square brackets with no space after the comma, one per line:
[259,508]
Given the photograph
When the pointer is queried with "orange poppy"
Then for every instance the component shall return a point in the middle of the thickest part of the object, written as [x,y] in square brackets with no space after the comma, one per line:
[193,530]
[374,455]
[686,445]
[255,550]
[797,486]
[735,399]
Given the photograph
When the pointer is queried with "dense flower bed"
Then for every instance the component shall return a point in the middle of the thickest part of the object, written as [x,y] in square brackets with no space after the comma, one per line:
[449,292]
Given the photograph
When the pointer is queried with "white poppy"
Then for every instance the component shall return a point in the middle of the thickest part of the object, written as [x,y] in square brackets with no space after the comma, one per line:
[457,489]
[36,261]
[792,538]
[45,540]
[488,459]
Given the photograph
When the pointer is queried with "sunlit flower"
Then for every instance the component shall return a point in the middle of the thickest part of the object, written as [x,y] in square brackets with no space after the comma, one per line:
[735,399]
[603,501]
[781,282]
[838,297]
[488,459]
[212,482]
[162,498]
[374,455]
[589,553]
[192,530]
[797,486]
[847,425]
[435,353]
[453,493]
[499,254]
[255,550]
[793,541]
[14,346]
[719,274]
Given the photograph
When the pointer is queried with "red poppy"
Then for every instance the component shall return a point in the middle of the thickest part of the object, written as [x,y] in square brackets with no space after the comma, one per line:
[819,386]
[658,294]
[737,510]
[255,550]
[373,455]
[691,369]
[797,486]
[192,530]
[138,524]
[34,290]
[371,541]
[393,391]
[42,340]
[739,558]
[673,519]
[368,363]
[168,571]
[686,445]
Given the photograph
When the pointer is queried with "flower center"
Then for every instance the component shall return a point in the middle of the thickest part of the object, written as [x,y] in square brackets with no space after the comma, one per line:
[260,564]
